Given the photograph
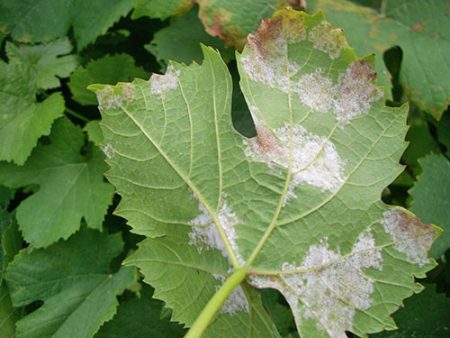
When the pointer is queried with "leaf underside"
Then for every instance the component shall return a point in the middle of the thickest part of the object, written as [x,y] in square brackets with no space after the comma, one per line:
[407,24]
[299,205]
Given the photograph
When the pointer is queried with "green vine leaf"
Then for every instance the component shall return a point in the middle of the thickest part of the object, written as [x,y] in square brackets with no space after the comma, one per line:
[28,21]
[23,119]
[74,281]
[147,320]
[407,24]
[160,9]
[227,20]
[71,187]
[109,69]
[430,198]
[49,60]
[181,40]
[8,314]
[10,244]
[416,319]
[296,208]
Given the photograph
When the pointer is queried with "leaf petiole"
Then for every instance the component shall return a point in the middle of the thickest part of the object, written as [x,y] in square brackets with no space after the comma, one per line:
[209,311]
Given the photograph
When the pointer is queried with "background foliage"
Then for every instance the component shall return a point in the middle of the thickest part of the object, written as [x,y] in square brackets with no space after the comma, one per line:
[62,246]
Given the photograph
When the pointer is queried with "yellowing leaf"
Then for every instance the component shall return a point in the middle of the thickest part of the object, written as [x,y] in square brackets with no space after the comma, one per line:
[421,29]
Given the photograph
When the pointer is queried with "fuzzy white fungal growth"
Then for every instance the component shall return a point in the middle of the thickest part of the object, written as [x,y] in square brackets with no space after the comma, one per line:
[204,234]
[316,91]
[355,91]
[114,98]
[410,236]
[160,84]
[352,96]
[270,67]
[327,39]
[236,302]
[108,150]
[314,159]
[328,287]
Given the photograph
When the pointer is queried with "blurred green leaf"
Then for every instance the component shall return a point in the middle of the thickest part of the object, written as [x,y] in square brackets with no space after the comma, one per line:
[74,281]
[109,69]
[23,119]
[140,317]
[421,143]
[45,20]
[233,20]
[94,133]
[160,9]
[180,41]
[71,187]
[48,60]
[420,28]
[431,198]
[426,315]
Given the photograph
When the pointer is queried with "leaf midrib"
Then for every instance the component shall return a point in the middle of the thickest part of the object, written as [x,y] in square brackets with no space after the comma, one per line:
[188,181]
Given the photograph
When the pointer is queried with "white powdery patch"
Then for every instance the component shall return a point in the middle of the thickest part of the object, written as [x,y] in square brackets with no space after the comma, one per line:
[204,234]
[410,236]
[271,66]
[355,91]
[314,159]
[327,39]
[316,91]
[108,150]
[352,96]
[236,302]
[110,98]
[160,84]
[328,287]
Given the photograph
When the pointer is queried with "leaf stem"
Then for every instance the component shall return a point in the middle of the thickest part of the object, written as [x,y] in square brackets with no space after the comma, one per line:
[215,303]
[75,114]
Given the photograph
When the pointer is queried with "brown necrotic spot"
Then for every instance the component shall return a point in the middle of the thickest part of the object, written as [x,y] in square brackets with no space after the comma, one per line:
[417,27]
[265,140]
[409,235]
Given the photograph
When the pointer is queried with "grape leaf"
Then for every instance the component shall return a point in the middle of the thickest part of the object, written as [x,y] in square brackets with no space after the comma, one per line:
[443,131]
[71,187]
[408,24]
[28,20]
[431,198]
[160,9]
[146,320]
[8,315]
[6,195]
[23,120]
[180,41]
[10,240]
[280,313]
[421,143]
[187,279]
[425,315]
[74,281]
[49,60]
[109,69]
[10,244]
[94,133]
[233,20]
[296,208]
